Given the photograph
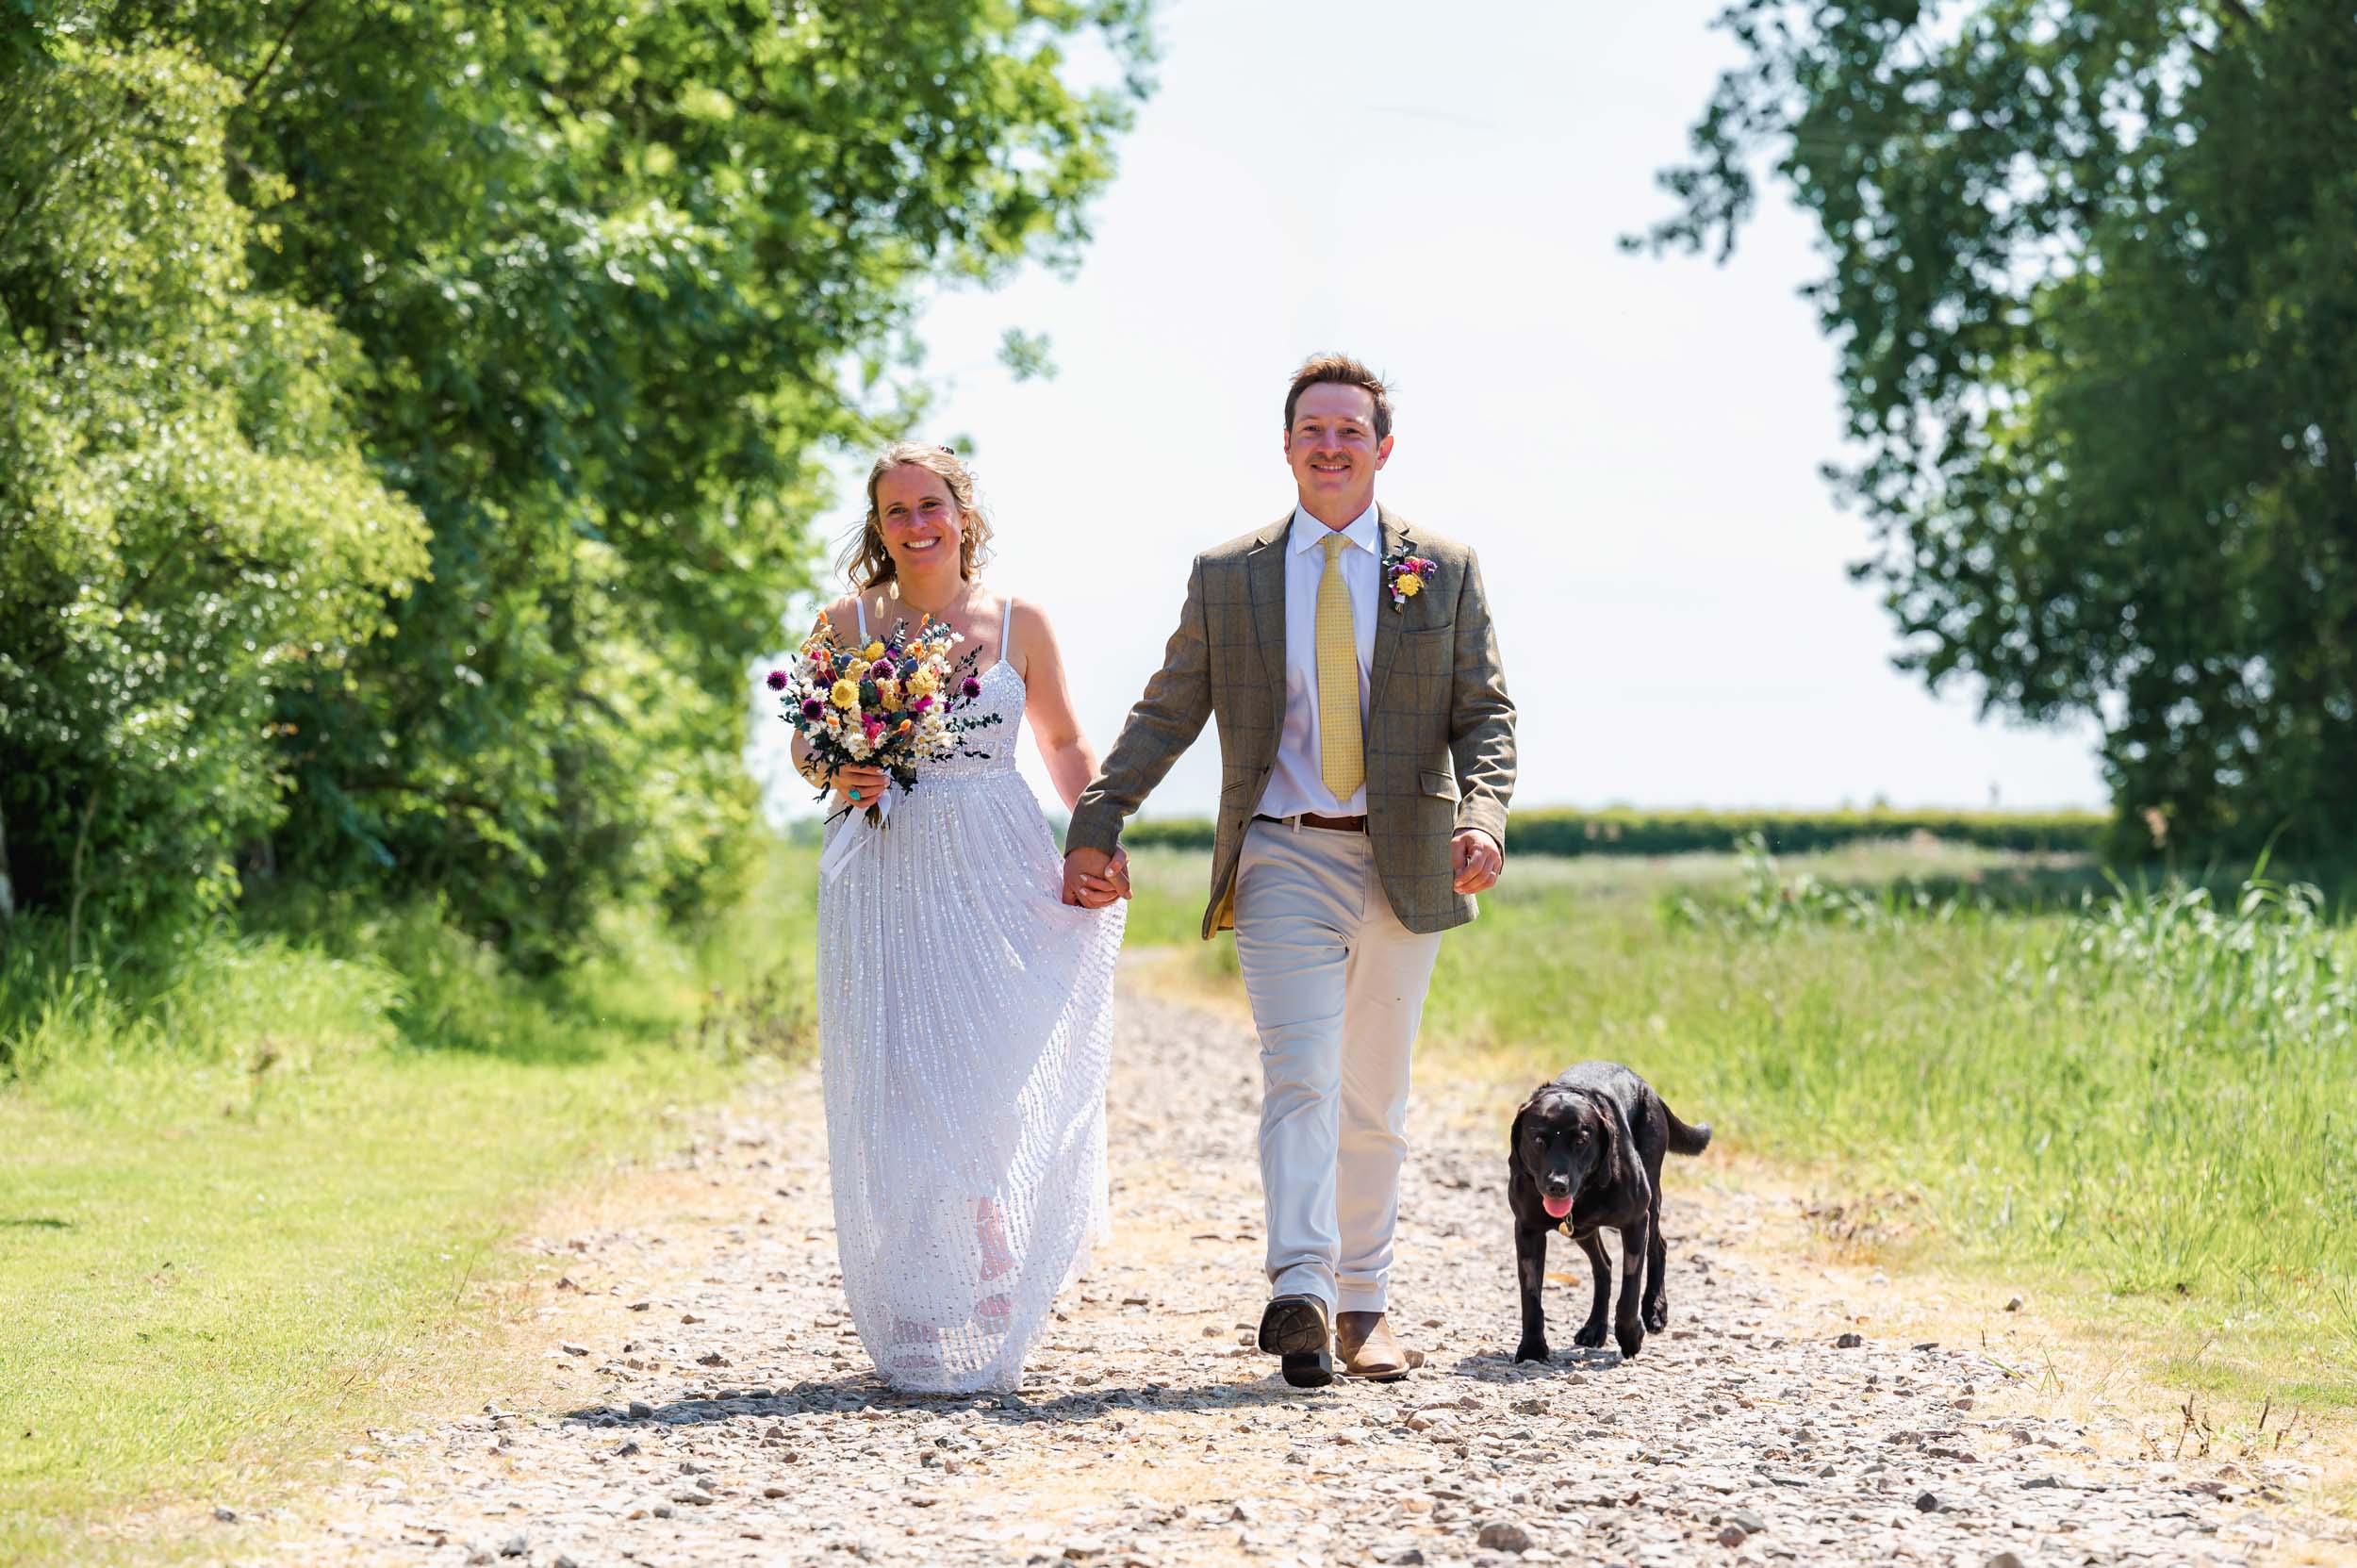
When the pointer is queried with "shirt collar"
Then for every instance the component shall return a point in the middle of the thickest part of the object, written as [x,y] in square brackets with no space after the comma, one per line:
[1364,530]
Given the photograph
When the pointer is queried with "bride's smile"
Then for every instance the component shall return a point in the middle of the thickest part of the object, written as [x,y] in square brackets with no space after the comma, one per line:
[919,519]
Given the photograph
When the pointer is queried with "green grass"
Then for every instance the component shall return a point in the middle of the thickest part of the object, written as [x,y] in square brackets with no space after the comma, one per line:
[2152,1103]
[243,1195]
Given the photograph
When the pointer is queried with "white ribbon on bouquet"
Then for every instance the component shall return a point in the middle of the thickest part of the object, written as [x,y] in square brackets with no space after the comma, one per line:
[853,832]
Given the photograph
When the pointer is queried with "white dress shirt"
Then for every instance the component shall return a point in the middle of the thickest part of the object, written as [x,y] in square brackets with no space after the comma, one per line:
[1297,783]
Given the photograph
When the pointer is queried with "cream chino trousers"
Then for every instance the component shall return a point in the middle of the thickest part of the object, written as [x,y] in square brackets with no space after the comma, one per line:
[1337,986]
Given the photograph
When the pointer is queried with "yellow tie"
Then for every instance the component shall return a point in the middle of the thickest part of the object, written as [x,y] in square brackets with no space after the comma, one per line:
[1341,755]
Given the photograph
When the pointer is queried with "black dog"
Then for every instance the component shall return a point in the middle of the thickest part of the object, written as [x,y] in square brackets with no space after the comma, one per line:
[1586,1154]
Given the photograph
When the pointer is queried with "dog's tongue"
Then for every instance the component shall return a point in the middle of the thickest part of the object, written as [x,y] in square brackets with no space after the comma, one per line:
[1556,1206]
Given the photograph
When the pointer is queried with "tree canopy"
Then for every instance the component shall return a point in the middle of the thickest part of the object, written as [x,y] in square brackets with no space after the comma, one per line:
[412,413]
[2090,279]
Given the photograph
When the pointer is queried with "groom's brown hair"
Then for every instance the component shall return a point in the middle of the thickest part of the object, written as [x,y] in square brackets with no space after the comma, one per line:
[1343,370]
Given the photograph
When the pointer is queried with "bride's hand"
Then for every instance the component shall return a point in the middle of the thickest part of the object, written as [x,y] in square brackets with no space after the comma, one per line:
[858,785]
[1090,879]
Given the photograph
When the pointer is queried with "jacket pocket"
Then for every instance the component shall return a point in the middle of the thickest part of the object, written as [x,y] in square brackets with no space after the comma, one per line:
[1427,648]
[1437,784]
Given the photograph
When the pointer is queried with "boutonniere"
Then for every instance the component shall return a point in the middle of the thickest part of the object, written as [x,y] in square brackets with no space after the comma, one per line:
[1403,573]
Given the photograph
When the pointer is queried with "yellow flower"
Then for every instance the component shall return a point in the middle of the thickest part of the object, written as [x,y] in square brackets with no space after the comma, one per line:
[888,693]
[873,652]
[844,694]
[924,684]
[1409,585]
[856,669]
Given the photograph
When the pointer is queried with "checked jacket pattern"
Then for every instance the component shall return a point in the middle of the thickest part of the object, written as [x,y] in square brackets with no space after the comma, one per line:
[1439,731]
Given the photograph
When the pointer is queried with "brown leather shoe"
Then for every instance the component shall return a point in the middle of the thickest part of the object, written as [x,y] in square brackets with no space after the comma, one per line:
[1364,1342]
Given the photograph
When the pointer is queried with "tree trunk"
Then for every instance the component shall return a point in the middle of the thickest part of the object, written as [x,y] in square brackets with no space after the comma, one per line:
[73,905]
[8,891]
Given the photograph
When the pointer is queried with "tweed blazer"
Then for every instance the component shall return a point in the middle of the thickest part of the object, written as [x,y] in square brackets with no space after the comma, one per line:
[1439,732]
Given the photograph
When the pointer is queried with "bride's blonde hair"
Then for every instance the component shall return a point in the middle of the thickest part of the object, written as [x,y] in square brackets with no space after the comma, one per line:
[866,561]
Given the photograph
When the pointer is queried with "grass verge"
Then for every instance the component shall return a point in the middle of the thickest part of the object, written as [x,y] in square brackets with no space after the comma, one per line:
[251,1207]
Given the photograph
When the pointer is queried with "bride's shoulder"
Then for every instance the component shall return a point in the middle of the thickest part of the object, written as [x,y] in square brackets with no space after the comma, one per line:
[1024,631]
[843,614]
[1025,617]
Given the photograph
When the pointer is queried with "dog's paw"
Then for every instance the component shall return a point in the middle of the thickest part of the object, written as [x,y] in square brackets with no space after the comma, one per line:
[1657,1317]
[1631,1340]
[1591,1335]
[1532,1350]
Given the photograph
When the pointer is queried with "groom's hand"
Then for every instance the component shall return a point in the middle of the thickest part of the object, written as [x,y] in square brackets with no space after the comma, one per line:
[1093,879]
[1476,857]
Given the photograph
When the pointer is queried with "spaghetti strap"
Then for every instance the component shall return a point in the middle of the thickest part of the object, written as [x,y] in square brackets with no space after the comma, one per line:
[1006,632]
[859,603]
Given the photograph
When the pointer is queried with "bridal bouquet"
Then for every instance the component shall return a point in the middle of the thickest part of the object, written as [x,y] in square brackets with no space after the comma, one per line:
[892,705]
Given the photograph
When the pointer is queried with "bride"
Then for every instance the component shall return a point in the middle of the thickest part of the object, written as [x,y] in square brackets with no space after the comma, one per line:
[964,1010]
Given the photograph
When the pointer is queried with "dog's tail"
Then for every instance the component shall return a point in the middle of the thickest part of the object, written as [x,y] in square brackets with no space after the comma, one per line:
[1684,1139]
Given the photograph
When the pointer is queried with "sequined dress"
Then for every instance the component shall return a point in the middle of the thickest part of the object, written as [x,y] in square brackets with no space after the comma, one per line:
[964,1020]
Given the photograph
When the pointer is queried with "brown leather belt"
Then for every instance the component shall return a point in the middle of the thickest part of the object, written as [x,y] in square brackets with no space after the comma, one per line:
[1333,824]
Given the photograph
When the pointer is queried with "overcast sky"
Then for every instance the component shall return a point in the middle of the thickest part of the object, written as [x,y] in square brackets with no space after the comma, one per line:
[1631,445]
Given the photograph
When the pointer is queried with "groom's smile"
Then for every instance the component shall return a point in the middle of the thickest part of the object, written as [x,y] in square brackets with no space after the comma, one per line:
[1334,452]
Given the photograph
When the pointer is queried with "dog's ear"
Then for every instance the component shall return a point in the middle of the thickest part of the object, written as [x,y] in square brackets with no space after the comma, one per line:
[1521,1114]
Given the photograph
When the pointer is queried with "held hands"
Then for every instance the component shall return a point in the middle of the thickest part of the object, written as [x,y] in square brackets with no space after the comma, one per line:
[1093,879]
[1474,857]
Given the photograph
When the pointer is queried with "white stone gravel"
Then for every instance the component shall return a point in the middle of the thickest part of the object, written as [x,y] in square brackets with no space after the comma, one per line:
[740,1424]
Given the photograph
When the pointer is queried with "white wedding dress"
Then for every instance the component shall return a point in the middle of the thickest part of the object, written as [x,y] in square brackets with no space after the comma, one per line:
[964,1020]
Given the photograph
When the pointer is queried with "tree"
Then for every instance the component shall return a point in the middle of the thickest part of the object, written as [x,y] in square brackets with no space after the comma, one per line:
[2090,283]
[189,526]
[616,277]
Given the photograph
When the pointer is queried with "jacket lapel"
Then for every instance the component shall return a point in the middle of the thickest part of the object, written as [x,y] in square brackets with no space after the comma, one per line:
[1264,569]
[1390,538]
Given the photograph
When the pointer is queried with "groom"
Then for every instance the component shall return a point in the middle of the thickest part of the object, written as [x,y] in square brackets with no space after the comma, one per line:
[1366,753]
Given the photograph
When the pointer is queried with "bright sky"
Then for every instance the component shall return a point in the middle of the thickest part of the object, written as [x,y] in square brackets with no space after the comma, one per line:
[1631,445]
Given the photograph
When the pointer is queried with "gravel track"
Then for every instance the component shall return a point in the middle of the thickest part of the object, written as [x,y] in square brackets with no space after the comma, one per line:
[731,1417]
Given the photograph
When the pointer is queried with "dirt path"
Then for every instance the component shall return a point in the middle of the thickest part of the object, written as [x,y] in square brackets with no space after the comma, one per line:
[727,1415]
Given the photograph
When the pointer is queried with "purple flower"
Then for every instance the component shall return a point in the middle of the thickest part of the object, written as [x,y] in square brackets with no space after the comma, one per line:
[920,704]
[881,669]
[972,687]
[813,708]
[776,680]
